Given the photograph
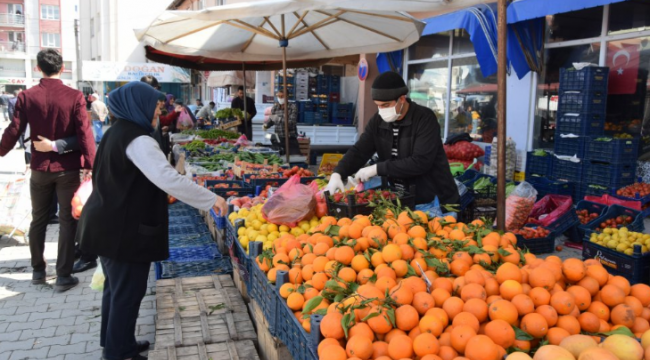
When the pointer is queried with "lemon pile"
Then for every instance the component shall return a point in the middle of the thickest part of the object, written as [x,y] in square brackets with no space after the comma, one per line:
[621,240]
[256,228]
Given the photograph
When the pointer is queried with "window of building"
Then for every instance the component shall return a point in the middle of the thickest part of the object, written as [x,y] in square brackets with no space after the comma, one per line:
[629,16]
[51,40]
[430,47]
[574,25]
[50,12]
[16,9]
[427,83]
[201,4]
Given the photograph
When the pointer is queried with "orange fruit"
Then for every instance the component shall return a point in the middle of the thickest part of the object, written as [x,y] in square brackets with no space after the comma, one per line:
[327,342]
[574,270]
[333,352]
[563,302]
[621,282]
[581,295]
[466,319]
[361,329]
[599,273]
[431,324]
[286,289]
[401,294]
[504,310]
[476,307]
[344,255]
[569,323]
[330,326]
[379,348]
[601,310]
[508,271]
[473,291]
[379,324]
[555,335]
[590,284]
[510,288]
[641,292]
[535,325]
[453,306]
[406,317]
[549,313]
[295,301]
[589,322]
[423,301]
[541,277]
[612,295]
[460,336]
[347,274]
[524,304]
[359,347]
[481,347]
[425,344]
[501,333]
[447,353]
[623,314]
[400,347]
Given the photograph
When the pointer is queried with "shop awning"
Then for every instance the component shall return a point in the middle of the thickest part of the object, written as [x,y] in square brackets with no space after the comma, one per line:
[480,22]
[522,10]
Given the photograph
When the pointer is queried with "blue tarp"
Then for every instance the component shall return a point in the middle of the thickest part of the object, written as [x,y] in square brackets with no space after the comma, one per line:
[530,9]
[391,61]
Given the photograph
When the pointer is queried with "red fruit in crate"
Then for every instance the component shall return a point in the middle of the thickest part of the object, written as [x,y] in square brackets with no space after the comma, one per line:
[170,199]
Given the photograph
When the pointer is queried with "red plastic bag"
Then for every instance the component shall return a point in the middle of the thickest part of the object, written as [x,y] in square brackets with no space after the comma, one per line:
[80,197]
[553,206]
[291,203]
[463,150]
[610,200]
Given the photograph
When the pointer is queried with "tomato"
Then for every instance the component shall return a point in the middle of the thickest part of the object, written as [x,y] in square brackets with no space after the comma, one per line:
[321,209]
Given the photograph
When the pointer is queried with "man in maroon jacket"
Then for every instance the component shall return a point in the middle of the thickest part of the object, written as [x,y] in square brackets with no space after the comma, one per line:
[53,111]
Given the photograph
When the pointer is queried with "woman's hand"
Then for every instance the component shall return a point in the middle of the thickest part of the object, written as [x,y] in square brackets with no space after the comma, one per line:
[220,206]
[178,108]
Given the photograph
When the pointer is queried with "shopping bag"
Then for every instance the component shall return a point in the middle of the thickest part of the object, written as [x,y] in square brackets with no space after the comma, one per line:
[15,205]
[97,282]
[518,206]
[291,203]
[80,197]
[553,206]
[184,121]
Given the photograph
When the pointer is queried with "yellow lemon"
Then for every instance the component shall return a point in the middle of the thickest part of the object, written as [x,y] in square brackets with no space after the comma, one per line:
[305,227]
[244,241]
[241,231]
[272,237]
[297,231]
[272,228]
[260,238]
[283,233]
[284,228]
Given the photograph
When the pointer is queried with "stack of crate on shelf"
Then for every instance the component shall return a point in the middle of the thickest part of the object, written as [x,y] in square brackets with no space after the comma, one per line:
[291,85]
[301,85]
[581,117]
[342,114]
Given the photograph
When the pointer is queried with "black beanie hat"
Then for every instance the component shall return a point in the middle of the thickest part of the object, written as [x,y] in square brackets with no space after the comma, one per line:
[388,87]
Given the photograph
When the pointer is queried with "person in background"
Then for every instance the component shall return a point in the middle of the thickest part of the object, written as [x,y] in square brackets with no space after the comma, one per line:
[169,104]
[161,134]
[238,103]
[4,102]
[11,106]
[207,113]
[65,116]
[195,107]
[98,114]
[130,186]
[277,119]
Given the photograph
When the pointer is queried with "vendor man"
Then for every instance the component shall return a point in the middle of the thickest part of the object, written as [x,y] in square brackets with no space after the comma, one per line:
[406,137]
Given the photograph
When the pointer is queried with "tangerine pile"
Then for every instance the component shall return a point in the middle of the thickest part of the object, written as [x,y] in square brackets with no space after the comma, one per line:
[413,288]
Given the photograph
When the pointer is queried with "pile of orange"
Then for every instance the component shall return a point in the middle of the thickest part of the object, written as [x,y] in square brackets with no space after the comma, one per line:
[414,288]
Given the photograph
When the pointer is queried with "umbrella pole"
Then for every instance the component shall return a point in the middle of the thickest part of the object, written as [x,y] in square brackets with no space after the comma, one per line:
[501,114]
[284,43]
[245,119]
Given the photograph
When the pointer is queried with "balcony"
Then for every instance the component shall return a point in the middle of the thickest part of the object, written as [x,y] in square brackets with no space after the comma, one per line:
[12,20]
[12,47]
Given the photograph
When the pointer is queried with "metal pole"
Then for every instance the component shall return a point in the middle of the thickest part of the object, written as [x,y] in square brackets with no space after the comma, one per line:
[501,114]
[77,49]
[286,98]
[245,119]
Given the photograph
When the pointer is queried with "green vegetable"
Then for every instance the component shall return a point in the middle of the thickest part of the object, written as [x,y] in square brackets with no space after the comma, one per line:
[212,134]
[510,187]
[540,152]
[194,145]
[482,184]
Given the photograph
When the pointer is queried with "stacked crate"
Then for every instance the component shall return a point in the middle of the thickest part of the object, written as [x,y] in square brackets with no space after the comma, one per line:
[342,114]
[301,84]
[581,115]
[291,86]
[202,317]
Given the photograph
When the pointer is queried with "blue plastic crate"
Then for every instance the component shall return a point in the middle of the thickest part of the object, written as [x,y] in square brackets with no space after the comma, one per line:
[486,157]
[187,229]
[595,190]
[308,117]
[609,175]
[219,221]
[342,108]
[466,200]
[180,220]
[567,170]
[301,345]
[576,233]
[536,246]
[183,212]
[588,78]
[635,268]
[583,102]
[642,199]
[341,121]
[615,151]
[545,187]
[238,255]
[305,106]
[180,206]
[570,146]
[262,291]
[468,176]
[175,269]
[611,213]
[177,241]
[580,123]
[538,165]
[194,253]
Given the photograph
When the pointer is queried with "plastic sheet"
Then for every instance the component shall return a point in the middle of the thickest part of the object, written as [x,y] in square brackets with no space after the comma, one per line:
[553,206]
[291,203]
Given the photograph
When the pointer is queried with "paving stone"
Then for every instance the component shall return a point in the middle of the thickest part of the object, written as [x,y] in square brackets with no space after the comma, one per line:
[78,337]
[25,326]
[93,346]
[10,336]
[88,355]
[17,345]
[40,353]
[3,327]
[32,334]
[45,315]
[146,329]
[8,311]
[78,348]
[50,341]
[64,306]
[146,320]
[63,330]
[5,355]
[79,297]
[16,318]
[58,322]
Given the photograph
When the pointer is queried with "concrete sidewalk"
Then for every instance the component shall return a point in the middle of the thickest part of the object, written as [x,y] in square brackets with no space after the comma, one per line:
[37,323]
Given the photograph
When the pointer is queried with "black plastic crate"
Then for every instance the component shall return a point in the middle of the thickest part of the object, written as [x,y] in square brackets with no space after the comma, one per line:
[249,180]
[234,188]
[308,179]
[588,78]
[613,212]
[545,187]
[609,175]
[611,150]
[567,170]
[580,123]
[635,268]
[564,223]
[537,165]
[351,209]
[576,233]
[583,102]
[536,246]
[570,146]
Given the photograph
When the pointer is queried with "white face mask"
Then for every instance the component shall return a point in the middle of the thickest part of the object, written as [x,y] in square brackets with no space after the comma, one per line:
[281,101]
[390,114]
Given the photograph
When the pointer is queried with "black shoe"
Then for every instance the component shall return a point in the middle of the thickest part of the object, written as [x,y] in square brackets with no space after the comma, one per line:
[83,265]
[65,283]
[142,345]
[54,220]
[38,277]
[135,357]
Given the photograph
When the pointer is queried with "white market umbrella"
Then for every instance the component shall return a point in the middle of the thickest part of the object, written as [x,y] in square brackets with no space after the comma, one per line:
[281,30]
[228,78]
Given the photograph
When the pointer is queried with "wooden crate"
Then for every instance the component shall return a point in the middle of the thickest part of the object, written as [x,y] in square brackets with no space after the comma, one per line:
[270,347]
[305,147]
[240,284]
[213,302]
[230,350]
[190,285]
[209,329]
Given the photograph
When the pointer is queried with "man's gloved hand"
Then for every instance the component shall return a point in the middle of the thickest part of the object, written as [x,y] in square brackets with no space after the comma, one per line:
[335,184]
[366,173]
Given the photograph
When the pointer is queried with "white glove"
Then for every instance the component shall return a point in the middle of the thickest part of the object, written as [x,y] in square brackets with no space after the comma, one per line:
[366,173]
[335,184]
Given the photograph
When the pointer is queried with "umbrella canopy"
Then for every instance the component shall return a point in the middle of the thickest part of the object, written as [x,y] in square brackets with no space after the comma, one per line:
[227,78]
[253,31]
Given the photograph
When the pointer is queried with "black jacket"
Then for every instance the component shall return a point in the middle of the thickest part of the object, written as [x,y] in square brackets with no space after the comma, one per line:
[238,103]
[125,217]
[421,159]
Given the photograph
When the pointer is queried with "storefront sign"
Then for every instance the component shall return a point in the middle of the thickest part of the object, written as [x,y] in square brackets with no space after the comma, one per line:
[363,69]
[124,71]
[13,81]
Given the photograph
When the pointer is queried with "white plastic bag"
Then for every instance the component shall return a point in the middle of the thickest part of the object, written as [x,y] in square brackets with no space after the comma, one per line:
[97,283]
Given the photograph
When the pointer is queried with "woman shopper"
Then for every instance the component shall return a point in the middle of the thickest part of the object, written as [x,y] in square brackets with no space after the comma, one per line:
[131,181]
